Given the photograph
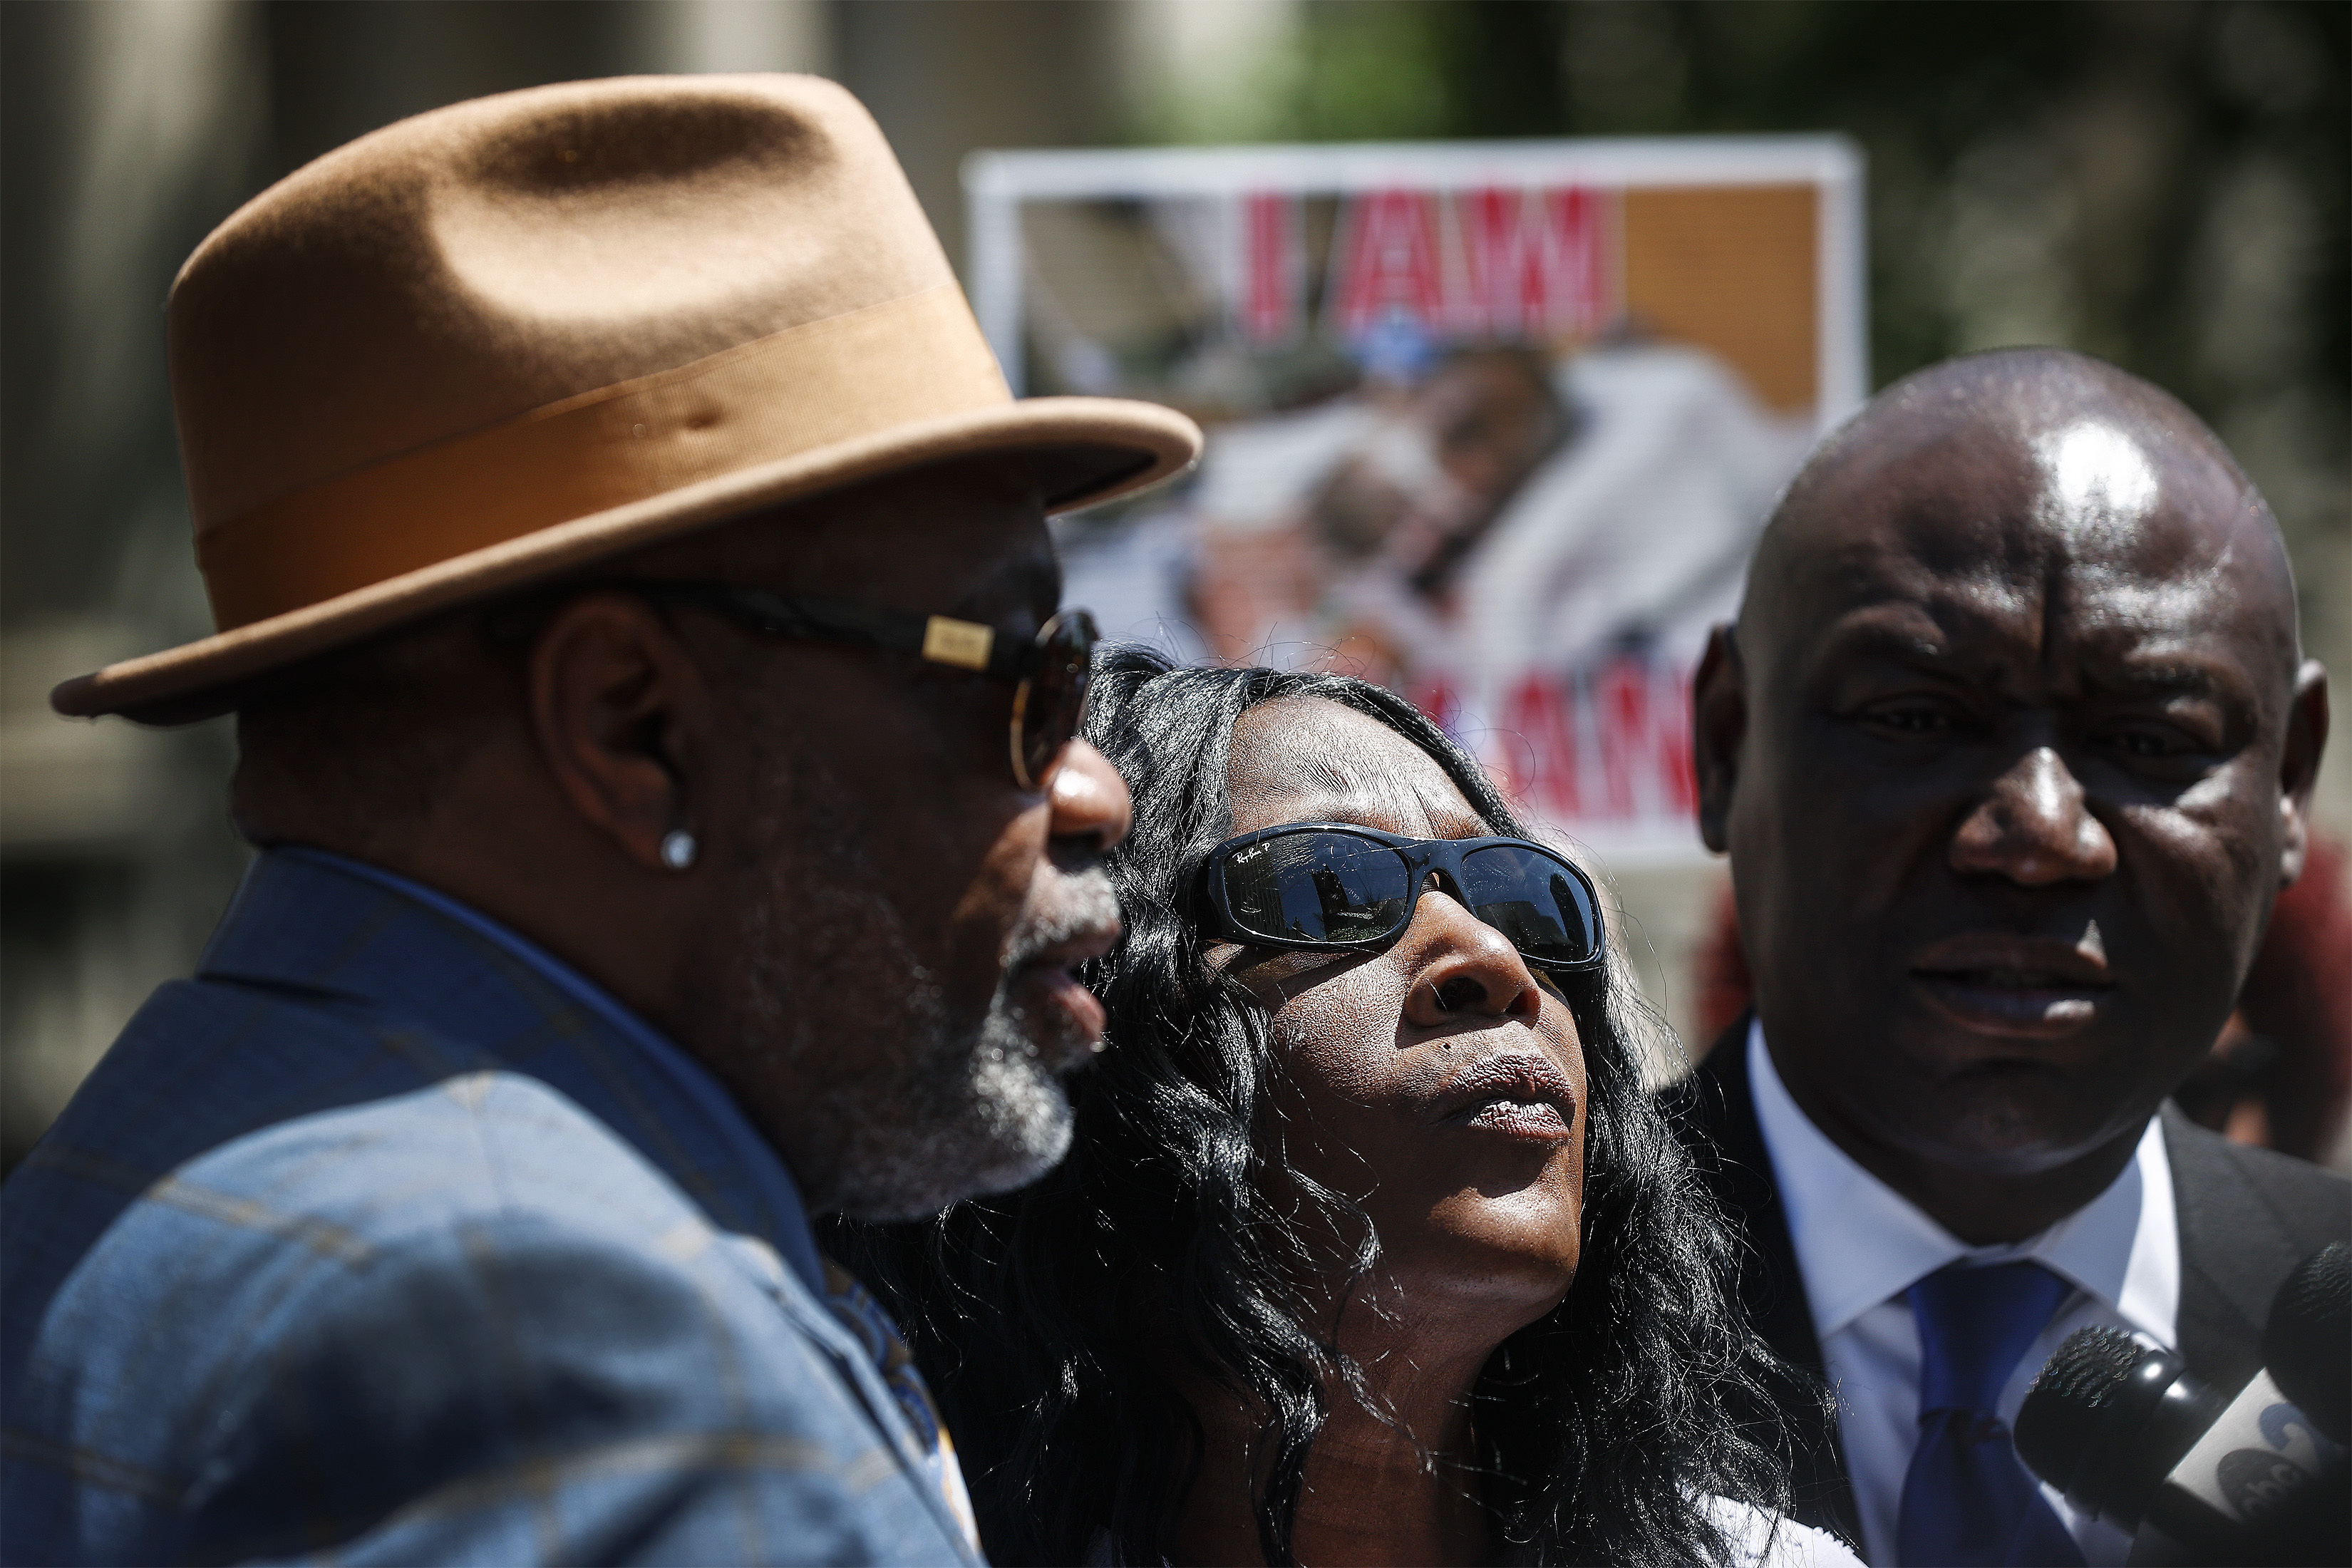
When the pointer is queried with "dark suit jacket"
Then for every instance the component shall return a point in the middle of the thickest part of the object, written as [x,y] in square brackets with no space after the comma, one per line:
[2247,1217]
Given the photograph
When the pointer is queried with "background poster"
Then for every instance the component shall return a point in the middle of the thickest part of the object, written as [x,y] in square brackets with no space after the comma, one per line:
[1493,424]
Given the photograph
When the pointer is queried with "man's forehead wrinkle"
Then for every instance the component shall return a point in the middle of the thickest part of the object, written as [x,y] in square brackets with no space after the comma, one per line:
[1909,491]
[2140,636]
[2170,671]
[2214,578]
[1943,635]
[1884,584]
[1936,523]
[2179,633]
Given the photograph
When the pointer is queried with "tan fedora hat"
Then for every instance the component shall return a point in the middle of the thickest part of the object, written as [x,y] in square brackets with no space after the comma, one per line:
[511,336]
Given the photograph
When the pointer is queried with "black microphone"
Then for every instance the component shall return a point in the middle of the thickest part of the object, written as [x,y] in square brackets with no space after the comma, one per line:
[2307,1344]
[2120,1426]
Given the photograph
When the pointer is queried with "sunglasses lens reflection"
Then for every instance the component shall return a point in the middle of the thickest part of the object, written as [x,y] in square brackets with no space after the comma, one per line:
[1315,886]
[1318,887]
[1533,900]
[1057,690]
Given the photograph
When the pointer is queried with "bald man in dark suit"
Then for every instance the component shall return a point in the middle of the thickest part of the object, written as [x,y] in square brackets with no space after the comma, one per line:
[2011,749]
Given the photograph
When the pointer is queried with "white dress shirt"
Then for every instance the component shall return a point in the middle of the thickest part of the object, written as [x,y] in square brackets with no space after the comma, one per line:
[1860,1246]
[1761,1540]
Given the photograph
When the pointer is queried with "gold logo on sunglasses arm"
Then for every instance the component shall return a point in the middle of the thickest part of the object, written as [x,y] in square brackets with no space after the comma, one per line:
[964,644]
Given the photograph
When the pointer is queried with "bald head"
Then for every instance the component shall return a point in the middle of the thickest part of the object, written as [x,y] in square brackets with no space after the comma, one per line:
[2027,462]
[2010,750]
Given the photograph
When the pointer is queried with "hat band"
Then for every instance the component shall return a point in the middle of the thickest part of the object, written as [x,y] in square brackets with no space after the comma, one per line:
[857,375]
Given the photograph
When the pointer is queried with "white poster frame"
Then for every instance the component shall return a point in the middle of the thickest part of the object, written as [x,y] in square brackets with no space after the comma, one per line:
[996,183]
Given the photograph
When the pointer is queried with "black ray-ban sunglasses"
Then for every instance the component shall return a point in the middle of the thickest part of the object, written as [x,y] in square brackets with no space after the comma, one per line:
[1050,673]
[1338,888]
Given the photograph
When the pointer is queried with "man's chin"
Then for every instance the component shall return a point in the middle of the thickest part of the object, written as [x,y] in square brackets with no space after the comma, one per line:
[2015,1122]
[1013,1127]
[1028,1123]
[904,1202]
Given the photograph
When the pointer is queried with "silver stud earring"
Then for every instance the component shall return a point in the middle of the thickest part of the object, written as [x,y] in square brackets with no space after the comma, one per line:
[678,848]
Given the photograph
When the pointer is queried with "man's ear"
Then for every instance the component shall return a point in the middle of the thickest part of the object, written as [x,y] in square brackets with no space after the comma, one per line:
[614,695]
[1718,727]
[2307,738]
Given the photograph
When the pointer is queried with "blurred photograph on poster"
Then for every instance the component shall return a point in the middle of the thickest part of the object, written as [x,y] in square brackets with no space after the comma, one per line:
[1495,425]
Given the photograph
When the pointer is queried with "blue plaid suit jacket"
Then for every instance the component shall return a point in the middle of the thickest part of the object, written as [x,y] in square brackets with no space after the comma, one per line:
[375,1242]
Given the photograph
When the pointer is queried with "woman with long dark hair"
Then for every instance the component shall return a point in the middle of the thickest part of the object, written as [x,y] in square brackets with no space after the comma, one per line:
[1370,1247]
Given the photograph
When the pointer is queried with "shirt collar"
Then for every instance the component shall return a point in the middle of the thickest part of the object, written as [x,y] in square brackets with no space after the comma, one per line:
[750,1152]
[1859,1242]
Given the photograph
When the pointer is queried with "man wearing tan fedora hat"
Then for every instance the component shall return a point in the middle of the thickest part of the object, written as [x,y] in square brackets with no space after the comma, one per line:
[655,720]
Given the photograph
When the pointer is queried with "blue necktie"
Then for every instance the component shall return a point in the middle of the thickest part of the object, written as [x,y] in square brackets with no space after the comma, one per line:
[1967,1501]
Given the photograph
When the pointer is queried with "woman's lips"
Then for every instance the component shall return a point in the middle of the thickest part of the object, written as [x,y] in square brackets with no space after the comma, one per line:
[1539,1122]
[2020,987]
[1524,1097]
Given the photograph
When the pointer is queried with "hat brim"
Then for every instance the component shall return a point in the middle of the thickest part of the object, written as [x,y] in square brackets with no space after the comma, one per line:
[1085,450]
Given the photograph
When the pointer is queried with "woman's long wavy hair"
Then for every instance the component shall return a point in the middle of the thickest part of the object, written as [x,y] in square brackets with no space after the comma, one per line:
[1052,1323]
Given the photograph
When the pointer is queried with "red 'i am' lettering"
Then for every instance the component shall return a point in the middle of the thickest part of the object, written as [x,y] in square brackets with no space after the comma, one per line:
[1387,262]
[1272,259]
[1532,262]
[1646,755]
[1543,714]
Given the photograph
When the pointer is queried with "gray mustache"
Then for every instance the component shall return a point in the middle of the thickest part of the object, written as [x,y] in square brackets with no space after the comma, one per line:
[1084,905]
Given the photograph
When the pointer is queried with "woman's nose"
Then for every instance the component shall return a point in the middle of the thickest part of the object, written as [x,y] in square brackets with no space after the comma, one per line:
[1464,966]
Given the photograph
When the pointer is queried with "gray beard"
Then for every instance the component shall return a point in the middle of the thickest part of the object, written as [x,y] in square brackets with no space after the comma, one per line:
[904,1112]
[987,1117]
[990,1113]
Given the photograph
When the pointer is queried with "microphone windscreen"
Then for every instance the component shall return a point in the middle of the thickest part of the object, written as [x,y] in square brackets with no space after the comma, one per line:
[2307,1344]
[2059,1425]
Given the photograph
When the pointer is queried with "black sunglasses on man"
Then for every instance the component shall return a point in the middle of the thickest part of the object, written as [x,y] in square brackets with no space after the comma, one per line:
[1050,673]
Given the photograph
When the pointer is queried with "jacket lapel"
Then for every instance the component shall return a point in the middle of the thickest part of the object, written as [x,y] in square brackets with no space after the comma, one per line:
[2247,1219]
[857,1367]
[1714,1113]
